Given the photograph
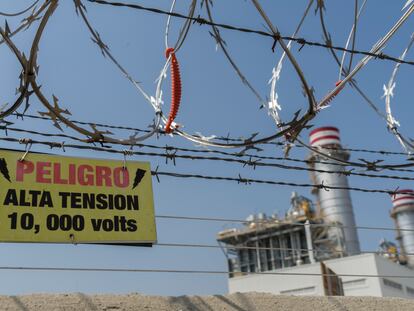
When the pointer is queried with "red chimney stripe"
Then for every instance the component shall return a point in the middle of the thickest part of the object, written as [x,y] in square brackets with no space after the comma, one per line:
[403,198]
[327,128]
[324,137]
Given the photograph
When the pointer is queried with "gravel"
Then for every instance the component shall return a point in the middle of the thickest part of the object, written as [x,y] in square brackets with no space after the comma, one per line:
[236,302]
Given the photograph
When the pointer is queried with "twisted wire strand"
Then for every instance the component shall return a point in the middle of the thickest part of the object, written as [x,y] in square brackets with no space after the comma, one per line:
[210,272]
[222,138]
[311,100]
[263,248]
[305,119]
[354,32]
[275,106]
[220,42]
[24,83]
[369,165]
[248,181]
[239,179]
[202,21]
[252,161]
[296,127]
[351,36]
[344,72]
[28,21]
[392,123]
[20,12]
[377,48]
[260,222]
[105,50]
[28,65]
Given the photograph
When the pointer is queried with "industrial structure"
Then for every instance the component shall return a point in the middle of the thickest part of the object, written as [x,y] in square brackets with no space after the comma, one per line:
[335,206]
[403,214]
[320,239]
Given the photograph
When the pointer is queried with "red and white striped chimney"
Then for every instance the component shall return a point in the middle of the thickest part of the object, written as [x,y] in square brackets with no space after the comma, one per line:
[403,213]
[403,198]
[324,136]
[335,204]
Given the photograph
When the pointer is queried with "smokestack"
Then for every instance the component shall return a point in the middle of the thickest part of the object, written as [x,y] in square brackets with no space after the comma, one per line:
[335,205]
[403,214]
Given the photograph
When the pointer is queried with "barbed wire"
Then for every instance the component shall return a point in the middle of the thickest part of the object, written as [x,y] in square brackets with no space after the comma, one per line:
[344,71]
[54,113]
[239,179]
[170,153]
[20,12]
[26,22]
[222,138]
[248,181]
[281,222]
[222,44]
[274,106]
[392,124]
[120,127]
[252,158]
[265,248]
[369,165]
[99,136]
[293,128]
[290,130]
[353,33]
[203,21]
[220,272]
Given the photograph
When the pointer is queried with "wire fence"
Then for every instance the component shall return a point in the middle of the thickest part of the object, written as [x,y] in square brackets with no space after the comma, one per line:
[222,138]
[99,138]
[220,272]
[203,21]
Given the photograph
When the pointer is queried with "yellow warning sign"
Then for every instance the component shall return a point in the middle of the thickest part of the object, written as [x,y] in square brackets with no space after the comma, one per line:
[56,199]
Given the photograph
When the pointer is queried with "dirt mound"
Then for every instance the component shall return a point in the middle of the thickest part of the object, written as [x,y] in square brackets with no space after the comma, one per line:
[236,302]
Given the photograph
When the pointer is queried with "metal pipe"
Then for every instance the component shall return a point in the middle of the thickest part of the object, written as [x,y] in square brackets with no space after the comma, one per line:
[259,265]
[309,243]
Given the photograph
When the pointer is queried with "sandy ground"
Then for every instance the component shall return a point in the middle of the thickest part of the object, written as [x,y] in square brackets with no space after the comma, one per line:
[236,302]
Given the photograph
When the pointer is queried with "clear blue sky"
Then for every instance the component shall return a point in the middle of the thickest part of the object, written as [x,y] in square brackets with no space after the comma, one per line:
[214,102]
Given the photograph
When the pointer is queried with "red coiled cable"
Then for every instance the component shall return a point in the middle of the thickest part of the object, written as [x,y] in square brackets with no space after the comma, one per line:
[175,89]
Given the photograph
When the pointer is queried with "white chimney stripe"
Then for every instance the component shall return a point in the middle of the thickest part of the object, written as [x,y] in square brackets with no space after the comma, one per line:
[323,133]
[404,202]
[325,141]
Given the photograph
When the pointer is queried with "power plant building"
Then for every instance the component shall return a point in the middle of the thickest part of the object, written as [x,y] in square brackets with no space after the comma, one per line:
[269,254]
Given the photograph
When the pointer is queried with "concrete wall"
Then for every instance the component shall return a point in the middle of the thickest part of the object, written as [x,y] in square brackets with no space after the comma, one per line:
[395,287]
[358,285]
[281,284]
